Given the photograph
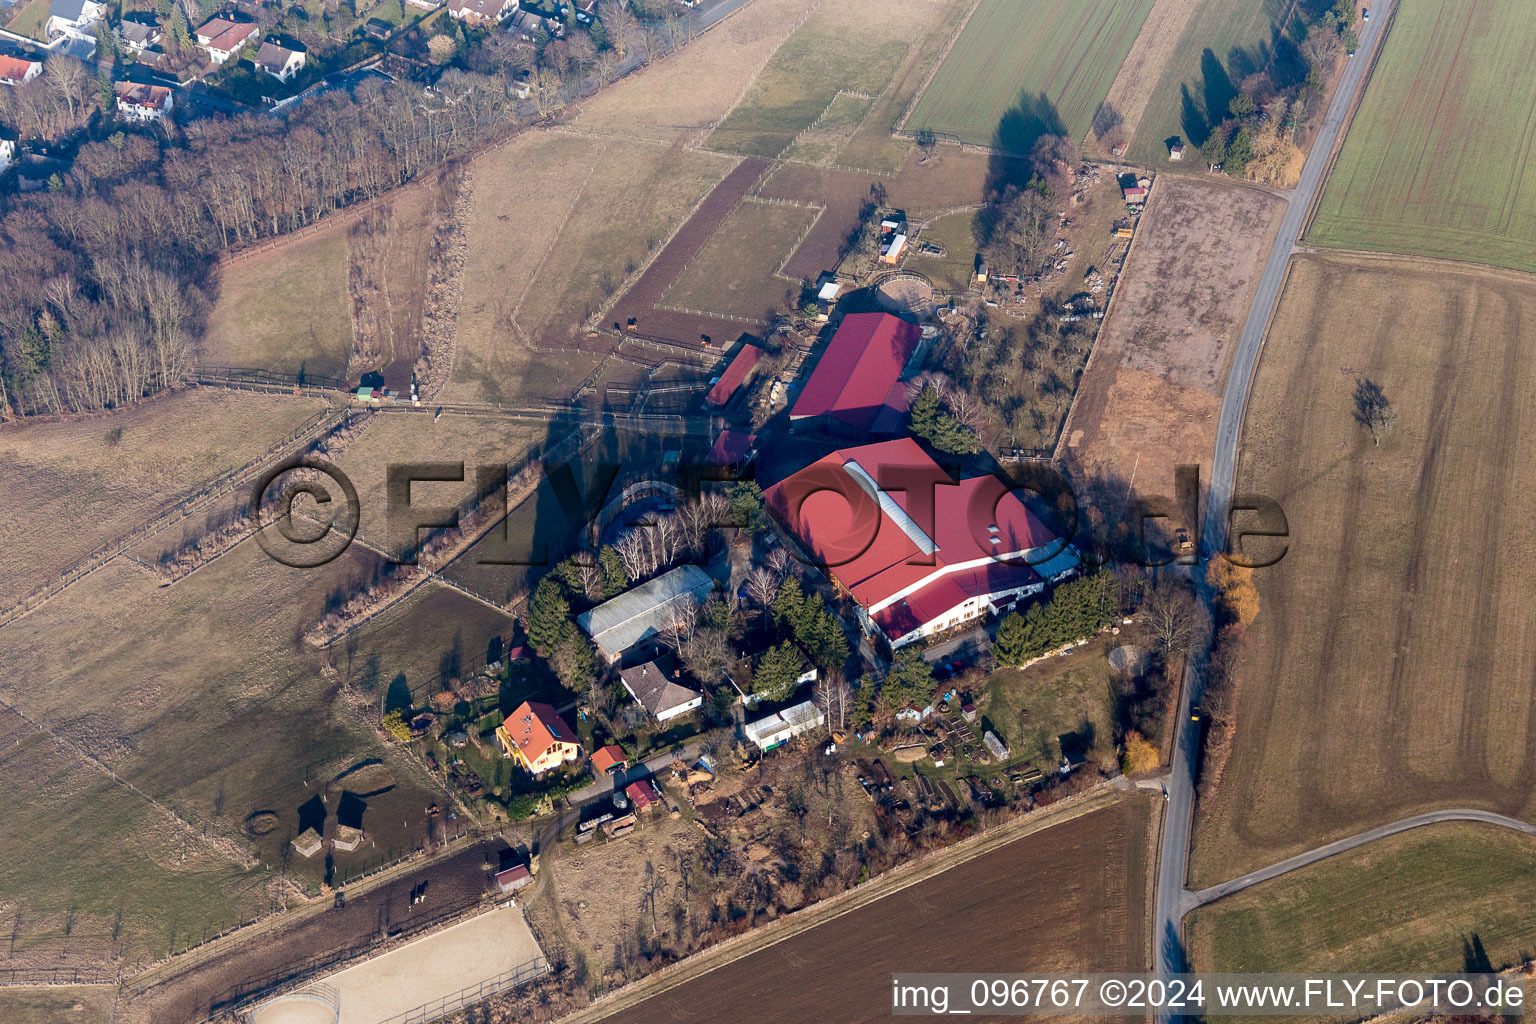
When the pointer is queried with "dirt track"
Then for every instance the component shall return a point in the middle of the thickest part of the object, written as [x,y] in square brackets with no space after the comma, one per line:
[452,884]
[669,263]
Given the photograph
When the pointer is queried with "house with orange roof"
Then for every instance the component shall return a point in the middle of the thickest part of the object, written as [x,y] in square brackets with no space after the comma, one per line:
[537,738]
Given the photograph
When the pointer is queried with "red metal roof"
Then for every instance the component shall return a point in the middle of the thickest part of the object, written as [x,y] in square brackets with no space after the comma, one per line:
[734,374]
[853,381]
[730,447]
[930,524]
[642,794]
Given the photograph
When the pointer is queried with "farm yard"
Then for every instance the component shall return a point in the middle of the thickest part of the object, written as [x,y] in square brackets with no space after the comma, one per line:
[1384,618]
[736,271]
[1017,73]
[1149,398]
[1224,41]
[76,484]
[1411,902]
[1437,161]
[843,46]
[989,913]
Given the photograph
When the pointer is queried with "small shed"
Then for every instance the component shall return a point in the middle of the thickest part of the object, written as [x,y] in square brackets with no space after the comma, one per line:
[347,838]
[643,794]
[308,843]
[513,878]
[1176,151]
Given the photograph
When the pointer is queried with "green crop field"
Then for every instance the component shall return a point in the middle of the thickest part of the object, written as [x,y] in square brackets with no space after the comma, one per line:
[1224,42]
[1022,68]
[1438,159]
[1411,902]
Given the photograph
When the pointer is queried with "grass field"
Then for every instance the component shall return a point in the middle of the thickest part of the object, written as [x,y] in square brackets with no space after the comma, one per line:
[734,272]
[954,271]
[394,438]
[1067,696]
[1406,903]
[1377,680]
[1022,70]
[1071,897]
[1224,41]
[68,904]
[285,309]
[557,226]
[204,696]
[845,44]
[1438,157]
[57,1005]
[70,489]
[682,96]
[819,143]
[29,19]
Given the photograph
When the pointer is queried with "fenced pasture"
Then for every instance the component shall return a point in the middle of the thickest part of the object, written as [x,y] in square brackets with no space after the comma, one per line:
[735,272]
[1438,157]
[203,696]
[285,308]
[843,46]
[1019,70]
[1379,679]
[75,484]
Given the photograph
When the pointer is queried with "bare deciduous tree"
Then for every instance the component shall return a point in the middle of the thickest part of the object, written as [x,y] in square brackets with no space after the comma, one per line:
[1372,410]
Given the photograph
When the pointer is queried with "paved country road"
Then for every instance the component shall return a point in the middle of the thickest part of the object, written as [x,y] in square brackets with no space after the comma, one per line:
[1191,900]
[1173,854]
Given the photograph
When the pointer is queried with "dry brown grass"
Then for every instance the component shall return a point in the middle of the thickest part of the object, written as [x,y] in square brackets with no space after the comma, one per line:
[560,221]
[734,272]
[70,490]
[1150,396]
[285,309]
[1386,672]
[1143,68]
[57,1005]
[204,696]
[679,98]
[406,438]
